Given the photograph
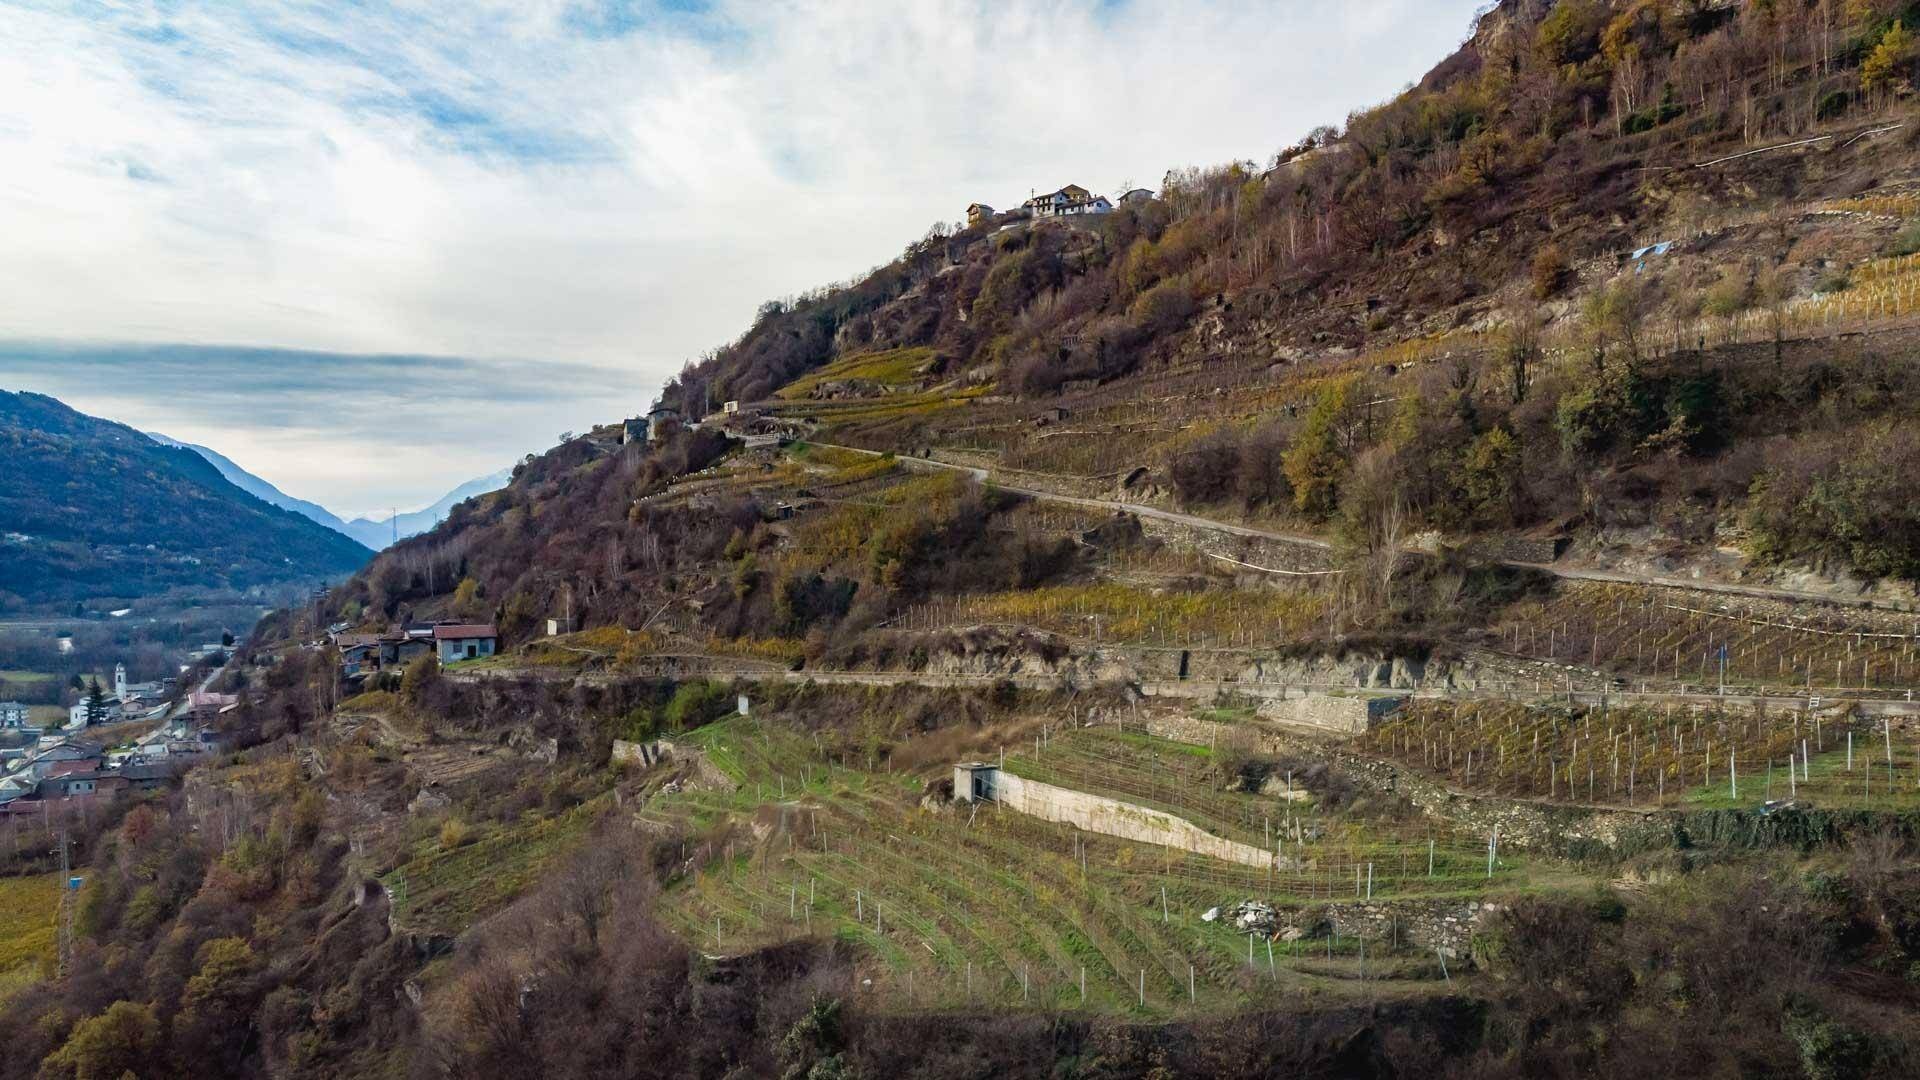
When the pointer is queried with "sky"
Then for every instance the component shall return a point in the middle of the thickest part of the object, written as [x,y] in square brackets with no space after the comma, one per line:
[370,249]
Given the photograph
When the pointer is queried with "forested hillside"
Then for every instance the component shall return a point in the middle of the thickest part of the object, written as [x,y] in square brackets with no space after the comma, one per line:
[1437,299]
[96,512]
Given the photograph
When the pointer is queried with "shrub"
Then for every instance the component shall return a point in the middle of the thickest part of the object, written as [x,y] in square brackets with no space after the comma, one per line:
[1163,309]
[1907,242]
[696,704]
[118,1042]
[1847,499]
[1207,472]
[1548,271]
[422,675]
[1731,296]
[455,833]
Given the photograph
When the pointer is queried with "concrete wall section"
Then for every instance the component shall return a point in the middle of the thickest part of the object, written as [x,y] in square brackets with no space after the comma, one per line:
[1111,817]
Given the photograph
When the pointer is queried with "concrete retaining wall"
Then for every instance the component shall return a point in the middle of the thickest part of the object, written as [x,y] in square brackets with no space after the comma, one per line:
[1111,817]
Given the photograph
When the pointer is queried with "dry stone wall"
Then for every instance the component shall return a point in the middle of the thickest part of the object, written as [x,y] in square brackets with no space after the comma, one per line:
[1342,714]
[1444,926]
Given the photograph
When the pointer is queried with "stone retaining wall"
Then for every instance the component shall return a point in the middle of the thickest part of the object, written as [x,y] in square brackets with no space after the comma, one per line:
[1523,825]
[1445,926]
[1342,714]
[1268,552]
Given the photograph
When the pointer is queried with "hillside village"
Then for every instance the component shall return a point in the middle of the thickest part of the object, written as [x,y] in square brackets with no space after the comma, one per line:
[1439,602]
[1068,202]
[154,732]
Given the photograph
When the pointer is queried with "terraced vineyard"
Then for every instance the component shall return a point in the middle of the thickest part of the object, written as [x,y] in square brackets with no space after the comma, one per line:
[1323,856]
[1667,634]
[1126,614]
[989,907]
[1645,757]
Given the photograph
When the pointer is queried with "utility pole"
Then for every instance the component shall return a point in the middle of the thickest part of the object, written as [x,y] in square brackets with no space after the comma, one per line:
[66,909]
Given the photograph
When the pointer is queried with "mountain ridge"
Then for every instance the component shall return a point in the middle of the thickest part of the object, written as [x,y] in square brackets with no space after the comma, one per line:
[105,510]
[378,533]
[374,533]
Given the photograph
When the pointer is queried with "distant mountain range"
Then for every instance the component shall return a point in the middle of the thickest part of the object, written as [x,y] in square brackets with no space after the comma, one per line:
[91,509]
[374,533]
[379,534]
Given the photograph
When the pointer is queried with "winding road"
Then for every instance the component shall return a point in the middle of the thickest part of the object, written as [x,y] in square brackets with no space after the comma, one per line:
[1568,573]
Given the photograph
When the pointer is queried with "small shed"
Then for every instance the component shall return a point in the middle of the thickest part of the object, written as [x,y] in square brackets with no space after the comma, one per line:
[975,781]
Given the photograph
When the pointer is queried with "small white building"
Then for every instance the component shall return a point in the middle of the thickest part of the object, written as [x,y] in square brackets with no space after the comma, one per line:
[465,641]
[13,715]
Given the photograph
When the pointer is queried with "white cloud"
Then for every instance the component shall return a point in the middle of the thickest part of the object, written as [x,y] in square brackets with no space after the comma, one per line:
[485,179]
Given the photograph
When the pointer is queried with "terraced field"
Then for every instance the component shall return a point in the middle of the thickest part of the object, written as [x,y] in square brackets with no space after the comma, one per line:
[1118,613]
[1678,636]
[1645,757]
[988,907]
[29,930]
[445,890]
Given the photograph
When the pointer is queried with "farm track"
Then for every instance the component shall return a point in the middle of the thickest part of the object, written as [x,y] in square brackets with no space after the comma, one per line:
[1567,573]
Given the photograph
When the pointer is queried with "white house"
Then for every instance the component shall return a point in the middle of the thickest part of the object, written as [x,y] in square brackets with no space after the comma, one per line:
[12,715]
[1069,201]
[465,641]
